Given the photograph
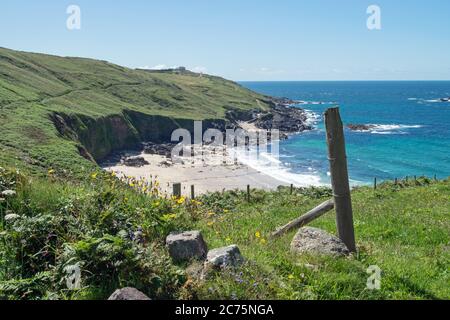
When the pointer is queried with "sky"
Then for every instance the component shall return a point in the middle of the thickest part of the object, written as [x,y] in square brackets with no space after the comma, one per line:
[259,40]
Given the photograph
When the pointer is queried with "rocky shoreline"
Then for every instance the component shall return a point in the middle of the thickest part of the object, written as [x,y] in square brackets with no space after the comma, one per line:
[282,116]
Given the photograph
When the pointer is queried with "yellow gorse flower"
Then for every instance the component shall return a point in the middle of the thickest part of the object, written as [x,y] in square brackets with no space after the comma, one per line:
[181,200]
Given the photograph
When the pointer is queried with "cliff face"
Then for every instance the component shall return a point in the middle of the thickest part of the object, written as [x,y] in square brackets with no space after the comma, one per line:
[87,108]
[97,138]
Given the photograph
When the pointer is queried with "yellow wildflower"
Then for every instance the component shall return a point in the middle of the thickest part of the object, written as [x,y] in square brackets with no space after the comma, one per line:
[263,241]
[258,234]
[211,214]
[94,175]
[51,171]
[291,276]
[228,239]
[181,200]
[210,223]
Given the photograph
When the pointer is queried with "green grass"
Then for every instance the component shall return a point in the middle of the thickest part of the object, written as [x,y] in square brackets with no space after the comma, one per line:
[33,87]
[403,231]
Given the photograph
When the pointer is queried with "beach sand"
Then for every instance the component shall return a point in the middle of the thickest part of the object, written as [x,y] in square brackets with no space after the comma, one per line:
[210,177]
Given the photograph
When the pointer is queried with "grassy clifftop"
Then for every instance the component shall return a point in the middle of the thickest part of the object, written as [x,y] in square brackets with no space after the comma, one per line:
[55,109]
[115,233]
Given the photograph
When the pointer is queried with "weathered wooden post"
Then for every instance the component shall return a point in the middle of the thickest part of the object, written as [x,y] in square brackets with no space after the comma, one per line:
[375,183]
[177,190]
[339,177]
[192,192]
[248,193]
[292,188]
[396,181]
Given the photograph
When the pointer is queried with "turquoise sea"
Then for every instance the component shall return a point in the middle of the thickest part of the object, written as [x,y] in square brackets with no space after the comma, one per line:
[411,137]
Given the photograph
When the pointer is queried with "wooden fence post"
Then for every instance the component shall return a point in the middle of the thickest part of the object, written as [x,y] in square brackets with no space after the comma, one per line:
[248,193]
[292,188]
[375,184]
[177,190]
[192,192]
[339,177]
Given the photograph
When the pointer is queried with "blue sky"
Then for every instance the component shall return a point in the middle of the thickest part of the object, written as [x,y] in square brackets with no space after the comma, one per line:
[244,39]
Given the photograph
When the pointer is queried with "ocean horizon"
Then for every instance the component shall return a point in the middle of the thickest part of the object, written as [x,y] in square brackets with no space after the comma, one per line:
[409,137]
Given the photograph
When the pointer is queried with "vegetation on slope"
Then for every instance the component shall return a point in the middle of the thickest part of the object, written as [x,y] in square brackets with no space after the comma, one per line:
[115,232]
[58,112]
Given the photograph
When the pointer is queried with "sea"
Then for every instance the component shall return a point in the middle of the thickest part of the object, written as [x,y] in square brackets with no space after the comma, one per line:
[410,137]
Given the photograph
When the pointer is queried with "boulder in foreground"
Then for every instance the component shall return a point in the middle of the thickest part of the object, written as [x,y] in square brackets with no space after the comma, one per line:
[128,294]
[222,258]
[316,241]
[186,246]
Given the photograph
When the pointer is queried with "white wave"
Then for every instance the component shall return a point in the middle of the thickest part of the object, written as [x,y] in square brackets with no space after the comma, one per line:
[390,127]
[312,118]
[387,132]
[269,165]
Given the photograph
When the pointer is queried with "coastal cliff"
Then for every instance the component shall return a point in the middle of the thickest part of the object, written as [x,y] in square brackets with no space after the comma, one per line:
[69,113]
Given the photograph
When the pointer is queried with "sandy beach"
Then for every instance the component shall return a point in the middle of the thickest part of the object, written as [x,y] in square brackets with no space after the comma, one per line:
[206,177]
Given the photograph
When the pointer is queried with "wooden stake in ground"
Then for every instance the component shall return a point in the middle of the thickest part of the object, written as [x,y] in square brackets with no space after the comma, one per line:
[339,177]
[177,190]
[248,193]
[192,192]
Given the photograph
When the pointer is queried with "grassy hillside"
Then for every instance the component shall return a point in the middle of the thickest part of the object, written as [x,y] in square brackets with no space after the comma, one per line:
[100,106]
[46,226]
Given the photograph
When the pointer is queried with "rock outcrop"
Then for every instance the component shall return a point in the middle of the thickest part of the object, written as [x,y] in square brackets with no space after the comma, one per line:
[316,241]
[360,127]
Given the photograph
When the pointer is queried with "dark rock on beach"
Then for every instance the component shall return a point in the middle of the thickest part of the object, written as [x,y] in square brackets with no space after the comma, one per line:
[163,149]
[134,162]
